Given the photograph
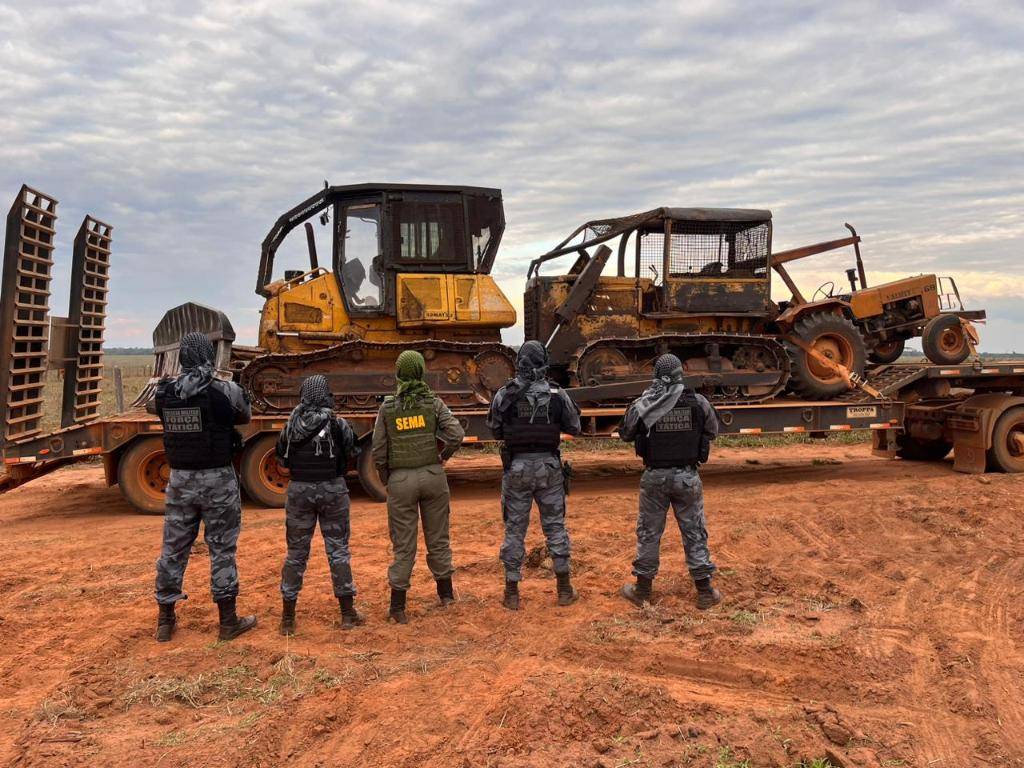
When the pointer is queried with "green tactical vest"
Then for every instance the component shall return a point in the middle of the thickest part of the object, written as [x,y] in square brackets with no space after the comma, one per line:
[411,434]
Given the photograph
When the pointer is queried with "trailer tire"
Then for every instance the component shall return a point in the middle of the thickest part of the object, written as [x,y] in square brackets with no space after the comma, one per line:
[264,480]
[142,475]
[1007,451]
[886,352]
[836,337]
[372,485]
[943,340]
[912,449]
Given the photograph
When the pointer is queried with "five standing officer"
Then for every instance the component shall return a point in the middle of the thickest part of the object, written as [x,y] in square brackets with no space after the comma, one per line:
[199,414]
[405,452]
[315,447]
[529,414]
[672,429]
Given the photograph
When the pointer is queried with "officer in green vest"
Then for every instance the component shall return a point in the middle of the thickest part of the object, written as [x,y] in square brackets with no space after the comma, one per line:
[405,451]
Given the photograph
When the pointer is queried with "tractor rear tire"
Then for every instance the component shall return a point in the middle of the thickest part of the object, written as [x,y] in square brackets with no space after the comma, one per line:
[886,352]
[912,449]
[142,475]
[1007,451]
[264,480]
[944,342]
[836,337]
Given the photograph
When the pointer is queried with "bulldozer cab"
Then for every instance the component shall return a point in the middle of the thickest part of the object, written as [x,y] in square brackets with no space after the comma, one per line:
[399,258]
[702,260]
[381,230]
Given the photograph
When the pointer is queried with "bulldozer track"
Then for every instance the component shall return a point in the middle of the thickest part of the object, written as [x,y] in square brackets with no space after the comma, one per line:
[731,395]
[475,380]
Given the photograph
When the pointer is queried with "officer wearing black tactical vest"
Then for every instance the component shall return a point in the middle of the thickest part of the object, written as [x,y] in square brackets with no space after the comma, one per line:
[405,451]
[672,429]
[315,447]
[529,414]
[199,414]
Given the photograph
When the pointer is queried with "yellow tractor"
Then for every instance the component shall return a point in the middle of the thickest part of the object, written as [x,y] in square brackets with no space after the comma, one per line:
[925,306]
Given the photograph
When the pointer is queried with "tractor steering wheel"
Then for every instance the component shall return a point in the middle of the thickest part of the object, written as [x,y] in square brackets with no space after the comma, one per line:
[825,294]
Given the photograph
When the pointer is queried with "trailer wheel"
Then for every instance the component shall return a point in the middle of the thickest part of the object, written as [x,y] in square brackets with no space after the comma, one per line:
[372,485]
[264,480]
[944,342]
[887,351]
[143,473]
[1007,451]
[912,449]
[833,336]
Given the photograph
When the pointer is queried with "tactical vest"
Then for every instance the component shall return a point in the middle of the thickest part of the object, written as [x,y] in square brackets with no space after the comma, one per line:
[677,438]
[306,466]
[198,432]
[412,440]
[541,435]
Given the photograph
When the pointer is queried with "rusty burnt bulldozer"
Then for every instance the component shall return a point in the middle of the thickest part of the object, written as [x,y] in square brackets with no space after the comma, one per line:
[700,287]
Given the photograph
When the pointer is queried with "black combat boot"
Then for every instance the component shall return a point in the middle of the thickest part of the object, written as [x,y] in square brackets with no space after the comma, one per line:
[707,595]
[640,593]
[288,617]
[350,617]
[231,625]
[445,592]
[165,622]
[511,599]
[396,612]
[567,594]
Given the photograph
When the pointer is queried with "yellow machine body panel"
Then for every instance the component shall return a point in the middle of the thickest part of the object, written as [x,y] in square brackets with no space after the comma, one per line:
[309,312]
[441,300]
[871,302]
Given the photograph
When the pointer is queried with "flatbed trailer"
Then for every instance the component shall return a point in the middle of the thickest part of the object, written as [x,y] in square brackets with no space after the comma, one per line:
[925,411]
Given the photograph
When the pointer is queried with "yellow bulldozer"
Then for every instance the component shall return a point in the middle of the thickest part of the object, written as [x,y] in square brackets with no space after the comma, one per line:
[409,267]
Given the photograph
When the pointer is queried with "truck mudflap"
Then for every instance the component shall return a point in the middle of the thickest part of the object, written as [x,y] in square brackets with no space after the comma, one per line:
[972,425]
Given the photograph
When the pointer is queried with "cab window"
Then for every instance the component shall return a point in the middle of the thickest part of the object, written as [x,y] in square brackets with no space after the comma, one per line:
[360,271]
[428,232]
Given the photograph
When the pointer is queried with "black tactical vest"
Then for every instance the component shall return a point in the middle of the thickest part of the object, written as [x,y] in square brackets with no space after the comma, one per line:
[677,439]
[542,434]
[307,467]
[198,432]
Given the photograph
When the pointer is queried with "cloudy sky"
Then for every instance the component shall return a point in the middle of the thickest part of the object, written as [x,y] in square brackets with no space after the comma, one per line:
[191,126]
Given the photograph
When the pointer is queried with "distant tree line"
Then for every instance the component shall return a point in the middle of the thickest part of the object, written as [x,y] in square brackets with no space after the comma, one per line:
[128,350]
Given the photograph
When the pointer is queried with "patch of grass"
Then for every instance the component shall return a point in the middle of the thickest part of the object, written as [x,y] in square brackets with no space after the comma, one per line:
[821,606]
[818,762]
[60,706]
[236,682]
[727,760]
[746,618]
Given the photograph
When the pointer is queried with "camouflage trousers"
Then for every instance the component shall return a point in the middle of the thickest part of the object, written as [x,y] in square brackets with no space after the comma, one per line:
[533,478]
[326,502]
[209,496]
[682,489]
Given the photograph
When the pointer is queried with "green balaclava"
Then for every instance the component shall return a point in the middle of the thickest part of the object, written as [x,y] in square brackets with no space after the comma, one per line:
[411,387]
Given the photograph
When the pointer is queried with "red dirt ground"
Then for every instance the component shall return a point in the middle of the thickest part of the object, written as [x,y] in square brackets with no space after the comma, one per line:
[871,618]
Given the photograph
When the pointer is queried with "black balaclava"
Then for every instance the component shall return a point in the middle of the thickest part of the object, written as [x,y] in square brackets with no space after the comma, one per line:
[196,356]
[314,411]
[664,392]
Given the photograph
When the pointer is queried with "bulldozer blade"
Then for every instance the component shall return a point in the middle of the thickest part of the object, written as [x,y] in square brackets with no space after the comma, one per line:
[24,312]
[87,314]
[167,341]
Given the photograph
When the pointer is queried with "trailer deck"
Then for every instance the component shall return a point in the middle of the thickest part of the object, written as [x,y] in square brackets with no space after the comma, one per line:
[925,411]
